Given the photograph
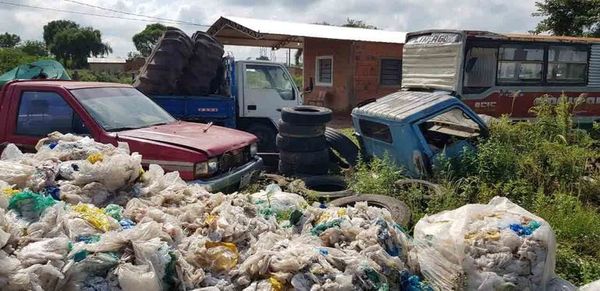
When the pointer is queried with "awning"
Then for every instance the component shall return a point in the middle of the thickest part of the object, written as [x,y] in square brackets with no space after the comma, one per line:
[282,34]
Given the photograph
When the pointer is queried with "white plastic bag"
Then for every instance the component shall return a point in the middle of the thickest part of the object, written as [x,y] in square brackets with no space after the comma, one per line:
[486,247]
[135,278]
[15,173]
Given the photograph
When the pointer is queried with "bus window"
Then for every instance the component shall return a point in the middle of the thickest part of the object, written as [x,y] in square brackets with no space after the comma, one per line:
[567,64]
[519,64]
[480,67]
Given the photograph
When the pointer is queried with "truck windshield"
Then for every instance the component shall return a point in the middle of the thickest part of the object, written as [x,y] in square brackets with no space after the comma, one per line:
[121,108]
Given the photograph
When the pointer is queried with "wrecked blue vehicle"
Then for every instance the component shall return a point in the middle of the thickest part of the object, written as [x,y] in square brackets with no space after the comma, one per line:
[415,128]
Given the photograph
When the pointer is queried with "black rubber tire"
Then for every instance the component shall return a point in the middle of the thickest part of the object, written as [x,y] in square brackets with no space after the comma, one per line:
[301,144]
[321,187]
[203,65]
[299,169]
[305,158]
[216,84]
[343,145]
[165,63]
[293,130]
[399,210]
[266,137]
[306,115]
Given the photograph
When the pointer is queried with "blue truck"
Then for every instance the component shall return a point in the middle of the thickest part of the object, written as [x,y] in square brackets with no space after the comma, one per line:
[258,91]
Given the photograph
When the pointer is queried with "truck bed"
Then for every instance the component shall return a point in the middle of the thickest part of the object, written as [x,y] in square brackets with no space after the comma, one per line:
[221,110]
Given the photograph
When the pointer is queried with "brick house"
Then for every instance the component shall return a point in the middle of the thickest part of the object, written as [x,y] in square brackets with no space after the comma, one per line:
[345,65]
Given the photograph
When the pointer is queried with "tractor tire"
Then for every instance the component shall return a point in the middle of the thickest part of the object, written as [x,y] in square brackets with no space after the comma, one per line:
[266,137]
[216,84]
[306,115]
[301,144]
[203,65]
[165,64]
[399,210]
[303,170]
[305,158]
[346,148]
[292,130]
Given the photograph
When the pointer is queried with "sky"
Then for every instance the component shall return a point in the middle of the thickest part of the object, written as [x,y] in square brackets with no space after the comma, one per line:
[398,15]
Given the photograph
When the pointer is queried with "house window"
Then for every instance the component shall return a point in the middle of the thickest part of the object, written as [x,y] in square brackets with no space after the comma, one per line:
[391,72]
[375,130]
[567,64]
[41,113]
[324,71]
[520,64]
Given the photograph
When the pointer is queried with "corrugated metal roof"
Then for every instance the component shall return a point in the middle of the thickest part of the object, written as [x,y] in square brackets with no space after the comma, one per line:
[403,104]
[106,61]
[281,33]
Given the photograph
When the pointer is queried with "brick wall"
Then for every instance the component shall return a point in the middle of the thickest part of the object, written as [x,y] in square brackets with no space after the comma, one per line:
[338,93]
[356,69]
[367,56]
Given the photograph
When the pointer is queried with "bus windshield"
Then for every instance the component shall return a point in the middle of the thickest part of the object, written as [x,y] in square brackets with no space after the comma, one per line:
[432,61]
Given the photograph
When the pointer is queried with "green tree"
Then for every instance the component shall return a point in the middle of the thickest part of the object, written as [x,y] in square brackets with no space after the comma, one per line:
[8,40]
[34,48]
[569,17]
[72,44]
[54,27]
[145,40]
[358,24]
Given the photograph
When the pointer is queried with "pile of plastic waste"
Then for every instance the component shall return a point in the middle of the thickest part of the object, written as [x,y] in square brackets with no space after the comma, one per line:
[494,246]
[80,215]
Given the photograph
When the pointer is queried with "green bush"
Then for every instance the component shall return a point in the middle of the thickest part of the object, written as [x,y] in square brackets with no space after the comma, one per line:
[542,165]
[13,57]
[92,76]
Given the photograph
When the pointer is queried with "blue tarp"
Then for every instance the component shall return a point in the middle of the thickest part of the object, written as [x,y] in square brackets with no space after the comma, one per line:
[46,69]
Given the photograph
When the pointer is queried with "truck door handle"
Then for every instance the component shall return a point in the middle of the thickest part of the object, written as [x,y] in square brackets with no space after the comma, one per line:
[251,107]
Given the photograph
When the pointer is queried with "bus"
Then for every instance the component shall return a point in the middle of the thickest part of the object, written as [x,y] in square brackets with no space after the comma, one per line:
[505,74]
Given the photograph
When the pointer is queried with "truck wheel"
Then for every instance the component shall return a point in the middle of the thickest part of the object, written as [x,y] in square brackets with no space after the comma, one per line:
[321,186]
[203,65]
[398,209]
[306,115]
[343,145]
[305,158]
[301,144]
[427,188]
[265,135]
[292,130]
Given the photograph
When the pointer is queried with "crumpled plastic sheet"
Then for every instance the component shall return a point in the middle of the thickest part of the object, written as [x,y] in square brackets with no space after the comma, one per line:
[117,227]
[490,246]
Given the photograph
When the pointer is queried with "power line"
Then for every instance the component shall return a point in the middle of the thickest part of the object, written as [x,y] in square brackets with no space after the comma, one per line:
[83,13]
[135,14]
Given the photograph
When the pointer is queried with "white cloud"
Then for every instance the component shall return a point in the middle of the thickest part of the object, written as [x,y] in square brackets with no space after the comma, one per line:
[402,15]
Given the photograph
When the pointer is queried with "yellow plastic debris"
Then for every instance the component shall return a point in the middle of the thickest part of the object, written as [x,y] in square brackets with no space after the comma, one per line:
[94,158]
[324,217]
[276,285]
[210,219]
[341,212]
[94,215]
[223,255]
[10,191]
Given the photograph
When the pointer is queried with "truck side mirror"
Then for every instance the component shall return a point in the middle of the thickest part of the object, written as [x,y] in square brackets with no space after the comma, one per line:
[310,86]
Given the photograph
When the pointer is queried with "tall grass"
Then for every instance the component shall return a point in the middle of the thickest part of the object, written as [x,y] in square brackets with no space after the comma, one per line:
[543,165]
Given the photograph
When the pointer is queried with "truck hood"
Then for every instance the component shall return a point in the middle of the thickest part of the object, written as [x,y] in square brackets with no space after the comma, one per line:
[215,141]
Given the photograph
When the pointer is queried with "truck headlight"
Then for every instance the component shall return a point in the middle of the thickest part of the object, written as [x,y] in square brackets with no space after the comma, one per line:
[207,168]
[253,149]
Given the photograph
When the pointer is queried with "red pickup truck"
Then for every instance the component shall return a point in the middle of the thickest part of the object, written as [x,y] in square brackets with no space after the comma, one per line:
[218,157]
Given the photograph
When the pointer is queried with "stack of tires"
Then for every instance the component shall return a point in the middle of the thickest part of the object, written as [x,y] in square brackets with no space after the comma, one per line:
[303,148]
[165,64]
[182,65]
